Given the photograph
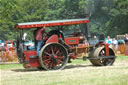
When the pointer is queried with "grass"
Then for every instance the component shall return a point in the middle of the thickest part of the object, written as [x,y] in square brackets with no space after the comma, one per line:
[11,66]
[75,61]
[122,57]
[71,77]
[14,74]
[20,66]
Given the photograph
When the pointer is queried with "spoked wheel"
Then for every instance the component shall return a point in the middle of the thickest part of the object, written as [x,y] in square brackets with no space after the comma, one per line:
[53,56]
[99,57]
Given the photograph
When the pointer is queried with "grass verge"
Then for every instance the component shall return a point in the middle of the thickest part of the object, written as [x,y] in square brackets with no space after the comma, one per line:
[83,75]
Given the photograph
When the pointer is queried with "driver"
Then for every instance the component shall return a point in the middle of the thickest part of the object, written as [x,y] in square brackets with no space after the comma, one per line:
[39,39]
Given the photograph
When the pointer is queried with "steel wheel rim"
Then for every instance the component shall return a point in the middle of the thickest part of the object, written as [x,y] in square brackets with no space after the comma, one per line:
[54,57]
[98,53]
[106,61]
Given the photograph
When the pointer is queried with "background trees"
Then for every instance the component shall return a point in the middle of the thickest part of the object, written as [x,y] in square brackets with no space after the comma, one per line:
[107,16]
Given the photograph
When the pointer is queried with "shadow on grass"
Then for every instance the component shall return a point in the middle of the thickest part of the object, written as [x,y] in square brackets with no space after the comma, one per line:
[76,66]
[40,69]
[27,70]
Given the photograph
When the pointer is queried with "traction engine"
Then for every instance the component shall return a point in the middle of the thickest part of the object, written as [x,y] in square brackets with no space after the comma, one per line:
[58,50]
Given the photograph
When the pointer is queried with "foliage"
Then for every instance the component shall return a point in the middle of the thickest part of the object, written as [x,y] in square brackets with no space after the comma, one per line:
[16,11]
[118,17]
[107,16]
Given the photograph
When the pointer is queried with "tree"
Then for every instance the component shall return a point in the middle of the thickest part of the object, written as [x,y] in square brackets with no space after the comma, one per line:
[118,18]
[6,10]
[15,11]
[106,16]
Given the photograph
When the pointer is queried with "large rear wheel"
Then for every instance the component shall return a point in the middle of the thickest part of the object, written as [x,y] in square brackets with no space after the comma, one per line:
[53,56]
[98,57]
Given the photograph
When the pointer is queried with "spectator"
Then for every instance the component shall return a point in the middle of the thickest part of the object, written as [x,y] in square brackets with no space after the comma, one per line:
[39,38]
[109,41]
[126,39]
[114,43]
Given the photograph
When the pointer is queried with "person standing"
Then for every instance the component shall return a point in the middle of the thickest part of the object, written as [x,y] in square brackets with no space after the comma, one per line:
[114,44]
[109,41]
[126,39]
[39,39]
[126,44]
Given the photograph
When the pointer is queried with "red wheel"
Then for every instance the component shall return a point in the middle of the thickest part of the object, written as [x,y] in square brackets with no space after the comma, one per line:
[98,60]
[53,56]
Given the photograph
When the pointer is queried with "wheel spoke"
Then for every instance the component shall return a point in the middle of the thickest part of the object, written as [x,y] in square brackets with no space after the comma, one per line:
[52,50]
[60,57]
[46,63]
[48,53]
[54,65]
[60,61]
[55,48]
[46,60]
[57,51]
[51,65]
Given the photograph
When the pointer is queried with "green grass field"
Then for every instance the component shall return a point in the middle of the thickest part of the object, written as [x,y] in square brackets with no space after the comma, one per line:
[77,73]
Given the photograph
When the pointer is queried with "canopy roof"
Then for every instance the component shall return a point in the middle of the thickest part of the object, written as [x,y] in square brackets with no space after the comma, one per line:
[50,23]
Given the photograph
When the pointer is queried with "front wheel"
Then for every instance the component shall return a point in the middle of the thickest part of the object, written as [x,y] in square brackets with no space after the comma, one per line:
[53,56]
[99,57]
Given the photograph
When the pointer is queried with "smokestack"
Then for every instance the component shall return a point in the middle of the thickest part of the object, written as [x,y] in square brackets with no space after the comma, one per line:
[87,30]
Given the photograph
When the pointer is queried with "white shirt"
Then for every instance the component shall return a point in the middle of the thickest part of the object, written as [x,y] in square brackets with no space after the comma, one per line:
[114,42]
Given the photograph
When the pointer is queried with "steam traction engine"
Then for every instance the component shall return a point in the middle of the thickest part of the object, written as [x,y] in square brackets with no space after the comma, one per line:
[57,50]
